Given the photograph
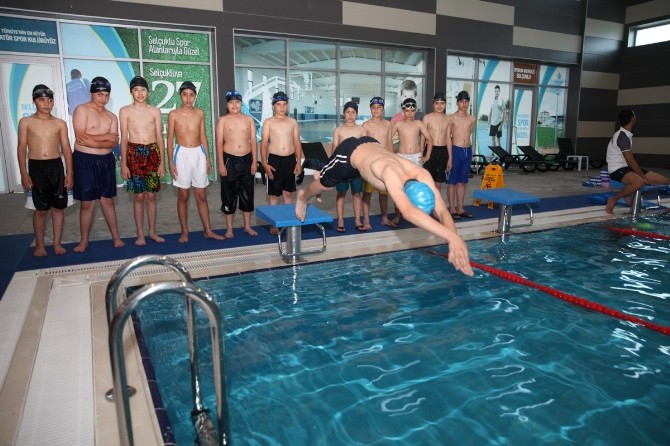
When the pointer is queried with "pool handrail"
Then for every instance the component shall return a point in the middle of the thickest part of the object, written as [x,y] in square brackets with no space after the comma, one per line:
[116,353]
[114,284]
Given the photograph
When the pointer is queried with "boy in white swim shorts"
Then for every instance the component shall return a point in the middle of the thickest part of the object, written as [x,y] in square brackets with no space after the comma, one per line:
[189,159]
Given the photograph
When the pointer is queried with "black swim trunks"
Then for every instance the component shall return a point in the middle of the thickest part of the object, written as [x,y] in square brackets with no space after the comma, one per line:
[437,164]
[48,177]
[284,174]
[339,168]
[238,184]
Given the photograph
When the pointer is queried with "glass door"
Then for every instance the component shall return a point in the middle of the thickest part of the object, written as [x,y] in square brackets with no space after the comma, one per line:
[523,127]
[18,76]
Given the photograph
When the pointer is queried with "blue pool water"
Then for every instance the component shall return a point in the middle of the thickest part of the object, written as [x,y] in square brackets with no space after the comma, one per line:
[398,349]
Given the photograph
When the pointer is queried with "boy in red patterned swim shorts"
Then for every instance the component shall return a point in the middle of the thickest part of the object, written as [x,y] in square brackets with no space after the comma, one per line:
[142,161]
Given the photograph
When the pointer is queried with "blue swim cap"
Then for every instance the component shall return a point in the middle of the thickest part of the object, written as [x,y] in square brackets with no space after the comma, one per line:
[420,195]
[233,95]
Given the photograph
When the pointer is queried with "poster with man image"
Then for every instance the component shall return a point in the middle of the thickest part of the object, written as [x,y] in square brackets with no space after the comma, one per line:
[493,117]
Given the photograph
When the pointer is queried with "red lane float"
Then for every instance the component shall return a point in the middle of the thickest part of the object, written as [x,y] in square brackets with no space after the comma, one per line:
[627,231]
[565,296]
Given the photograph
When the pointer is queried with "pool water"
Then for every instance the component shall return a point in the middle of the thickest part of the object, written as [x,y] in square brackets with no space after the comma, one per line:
[399,349]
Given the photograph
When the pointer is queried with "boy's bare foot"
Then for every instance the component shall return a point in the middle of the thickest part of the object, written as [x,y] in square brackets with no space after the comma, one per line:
[40,252]
[250,231]
[387,222]
[81,247]
[229,233]
[118,243]
[58,250]
[301,206]
[396,221]
[183,238]
[140,241]
[364,227]
[274,231]
[610,205]
[213,235]
[156,238]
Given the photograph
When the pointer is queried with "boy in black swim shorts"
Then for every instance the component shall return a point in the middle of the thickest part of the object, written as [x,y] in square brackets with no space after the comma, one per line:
[44,139]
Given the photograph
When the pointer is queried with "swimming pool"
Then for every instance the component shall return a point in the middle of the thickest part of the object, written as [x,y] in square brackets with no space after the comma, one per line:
[398,349]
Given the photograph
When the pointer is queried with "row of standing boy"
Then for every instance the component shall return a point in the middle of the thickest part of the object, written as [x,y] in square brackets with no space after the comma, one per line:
[90,167]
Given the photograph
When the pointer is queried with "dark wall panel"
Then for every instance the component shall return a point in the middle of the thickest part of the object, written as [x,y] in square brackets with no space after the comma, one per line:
[420,6]
[607,63]
[607,10]
[313,10]
[597,104]
[595,148]
[598,45]
[541,18]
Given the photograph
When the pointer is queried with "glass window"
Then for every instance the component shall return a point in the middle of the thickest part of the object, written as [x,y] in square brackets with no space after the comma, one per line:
[359,88]
[550,116]
[257,91]
[650,33]
[360,58]
[303,54]
[494,70]
[260,51]
[404,61]
[461,67]
[553,76]
[453,87]
[99,41]
[314,108]
[400,88]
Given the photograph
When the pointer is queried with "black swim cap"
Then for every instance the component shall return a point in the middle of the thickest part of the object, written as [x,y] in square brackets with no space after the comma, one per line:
[42,91]
[440,96]
[463,95]
[408,103]
[350,104]
[279,96]
[138,81]
[99,83]
[233,95]
[187,85]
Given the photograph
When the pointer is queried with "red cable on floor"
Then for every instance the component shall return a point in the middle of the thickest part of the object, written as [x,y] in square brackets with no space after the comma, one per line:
[565,296]
[627,231]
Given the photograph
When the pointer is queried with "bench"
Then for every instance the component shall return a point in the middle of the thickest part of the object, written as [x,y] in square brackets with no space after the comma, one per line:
[507,198]
[283,218]
[636,206]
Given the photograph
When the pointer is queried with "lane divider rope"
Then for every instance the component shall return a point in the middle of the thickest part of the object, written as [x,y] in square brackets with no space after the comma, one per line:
[593,306]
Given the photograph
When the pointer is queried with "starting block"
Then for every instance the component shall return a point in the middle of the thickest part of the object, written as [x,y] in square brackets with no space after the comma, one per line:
[283,218]
[506,198]
[636,206]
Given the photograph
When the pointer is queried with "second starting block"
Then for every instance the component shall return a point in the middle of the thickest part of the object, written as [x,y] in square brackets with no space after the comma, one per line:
[283,218]
[636,205]
[506,198]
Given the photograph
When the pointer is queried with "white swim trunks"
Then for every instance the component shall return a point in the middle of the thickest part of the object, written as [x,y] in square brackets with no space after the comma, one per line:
[413,157]
[191,165]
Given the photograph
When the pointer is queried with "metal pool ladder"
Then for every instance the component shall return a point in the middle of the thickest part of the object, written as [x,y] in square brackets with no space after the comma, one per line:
[117,318]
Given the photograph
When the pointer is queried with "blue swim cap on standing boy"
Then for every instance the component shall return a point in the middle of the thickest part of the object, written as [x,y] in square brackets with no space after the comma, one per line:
[420,195]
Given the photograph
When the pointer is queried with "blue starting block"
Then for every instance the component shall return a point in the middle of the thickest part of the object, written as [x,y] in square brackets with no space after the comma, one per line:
[507,198]
[283,218]
[636,206]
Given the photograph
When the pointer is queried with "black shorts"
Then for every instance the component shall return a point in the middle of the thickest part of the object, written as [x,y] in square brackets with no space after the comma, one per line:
[238,184]
[94,176]
[48,177]
[437,164]
[496,130]
[339,168]
[284,174]
[618,174]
